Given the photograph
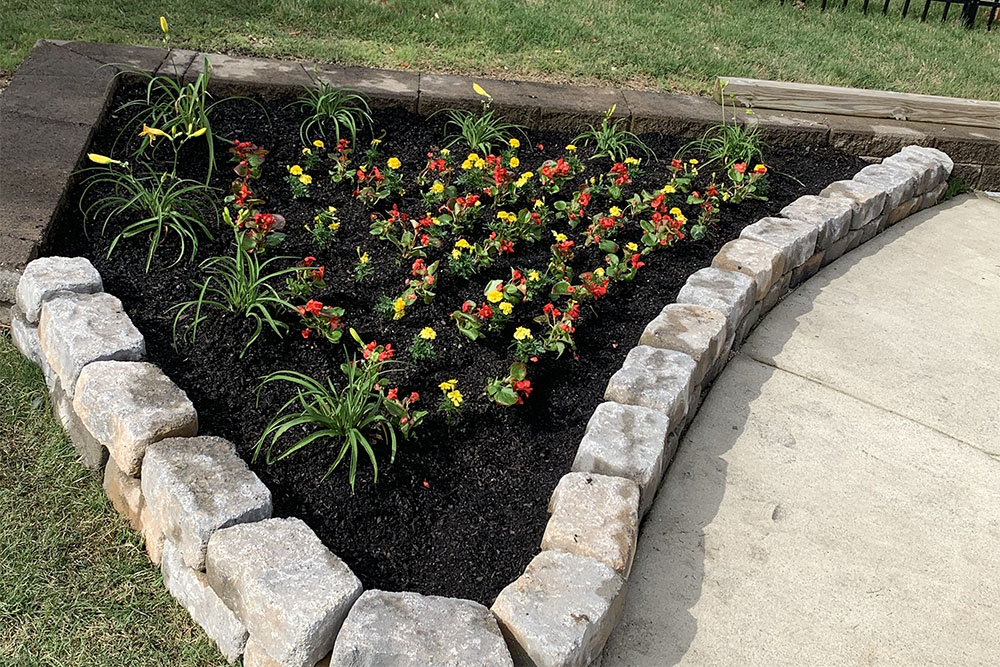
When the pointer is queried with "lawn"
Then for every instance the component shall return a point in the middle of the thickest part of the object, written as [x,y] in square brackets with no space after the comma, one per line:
[76,587]
[679,44]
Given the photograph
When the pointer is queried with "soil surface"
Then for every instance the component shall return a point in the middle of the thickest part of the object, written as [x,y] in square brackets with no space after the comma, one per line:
[461,510]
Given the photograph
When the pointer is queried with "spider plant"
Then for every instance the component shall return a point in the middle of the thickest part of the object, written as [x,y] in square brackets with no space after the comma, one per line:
[611,139]
[237,284]
[480,130]
[167,204]
[340,109]
[349,416]
[729,142]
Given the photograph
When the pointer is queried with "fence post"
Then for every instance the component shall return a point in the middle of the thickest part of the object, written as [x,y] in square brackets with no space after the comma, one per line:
[969,11]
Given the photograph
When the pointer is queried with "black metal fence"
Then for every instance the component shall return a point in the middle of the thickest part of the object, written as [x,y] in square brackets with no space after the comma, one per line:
[970,9]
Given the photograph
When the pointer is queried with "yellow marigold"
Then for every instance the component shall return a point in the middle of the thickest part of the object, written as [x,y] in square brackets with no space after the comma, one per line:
[428,333]
[295,170]
[632,160]
[675,211]
[394,163]
[480,163]
[522,333]
[599,272]
[318,143]
[467,164]
[615,212]
[514,162]
[399,307]
[502,215]
[668,189]
[455,396]
[693,161]
[437,187]
[334,226]
[494,296]
[533,276]
[306,150]
[632,246]
[506,307]
[445,151]
[448,385]
[528,175]
[560,237]
[462,243]
[570,147]
[514,143]
[456,253]
[305,179]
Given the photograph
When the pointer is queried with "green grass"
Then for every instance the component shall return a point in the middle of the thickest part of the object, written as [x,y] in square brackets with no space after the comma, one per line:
[76,587]
[677,44]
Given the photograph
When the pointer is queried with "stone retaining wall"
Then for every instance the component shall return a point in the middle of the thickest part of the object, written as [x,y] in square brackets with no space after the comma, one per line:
[267,589]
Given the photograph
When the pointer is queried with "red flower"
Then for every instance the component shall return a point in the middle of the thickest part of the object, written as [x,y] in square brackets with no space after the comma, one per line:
[540,147]
[308,261]
[676,164]
[369,348]
[548,308]
[740,167]
[414,397]
[485,312]
[507,246]
[313,307]
[317,274]
[386,353]
[418,266]
[760,169]
[468,305]
[306,332]
[635,261]
[711,191]
[391,394]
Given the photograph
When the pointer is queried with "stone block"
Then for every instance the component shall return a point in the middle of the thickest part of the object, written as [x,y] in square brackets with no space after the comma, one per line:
[778,291]
[809,269]
[45,277]
[831,217]
[93,455]
[517,101]
[970,175]
[866,233]
[561,611]
[286,587]
[898,184]
[742,330]
[79,329]
[867,201]
[729,292]
[125,494]
[191,590]
[795,239]
[128,405]
[931,165]
[152,535]
[380,87]
[239,75]
[697,331]
[931,198]
[24,335]
[411,630]
[124,57]
[903,210]
[626,441]
[989,178]
[787,129]
[837,250]
[196,486]
[669,113]
[872,136]
[596,516]
[656,379]
[571,108]
[763,262]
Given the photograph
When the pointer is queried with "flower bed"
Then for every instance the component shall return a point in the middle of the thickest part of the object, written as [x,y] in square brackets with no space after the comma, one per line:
[461,509]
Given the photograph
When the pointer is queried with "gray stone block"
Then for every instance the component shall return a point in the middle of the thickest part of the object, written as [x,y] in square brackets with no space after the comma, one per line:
[25,336]
[626,441]
[196,486]
[656,379]
[596,516]
[931,198]
[286,587]
[697,331]
[729,292]
[934,166]
[152,535]
[93,455]
[898,184]
[128,405]
[744,328]
[795,239]
[763,262]
[866,233]
[867,201]
[191,590]
[831,216]
[79,329]
[411,630]
[45,277]
[561,611]
[903,210]
[125,494]
[779,291]
[809,269]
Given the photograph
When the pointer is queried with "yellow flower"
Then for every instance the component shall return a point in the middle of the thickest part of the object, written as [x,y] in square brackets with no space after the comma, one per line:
[479,90]
[514,143]
[539,203]
[467,165]
[455,396]
[675,211]
[334,226]
[506,307]
[480,163]
[570,147]
[462,243]
[599,272]
[295,170]
[456,253]
[306,150]
[632,246]
[445,151]
[305,179]
[693,161]
[533,275]
[376,142]
[364,259]
[399,307]
[101,159]
[152,133]
[472,157]
[528,175]
[560,238]
[494,296]
[318,143]
[615,212]
[668,189]
[448,385]
[427,333]
[522,333]
[394,163]
[632,160]
[437,187]
[163,25]
[198,133]
[514,162]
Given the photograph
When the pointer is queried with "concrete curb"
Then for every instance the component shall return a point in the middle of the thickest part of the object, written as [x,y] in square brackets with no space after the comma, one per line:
[651,400]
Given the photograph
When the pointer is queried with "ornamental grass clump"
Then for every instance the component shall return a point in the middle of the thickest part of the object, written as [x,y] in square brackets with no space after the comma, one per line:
[341,111]
[611,139]
[480,130]
[356,417]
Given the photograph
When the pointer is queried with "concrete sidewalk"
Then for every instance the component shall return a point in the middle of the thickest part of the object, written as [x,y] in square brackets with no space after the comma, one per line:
[837,499]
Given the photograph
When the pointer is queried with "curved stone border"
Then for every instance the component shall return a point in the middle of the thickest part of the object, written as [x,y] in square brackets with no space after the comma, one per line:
[267,589]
